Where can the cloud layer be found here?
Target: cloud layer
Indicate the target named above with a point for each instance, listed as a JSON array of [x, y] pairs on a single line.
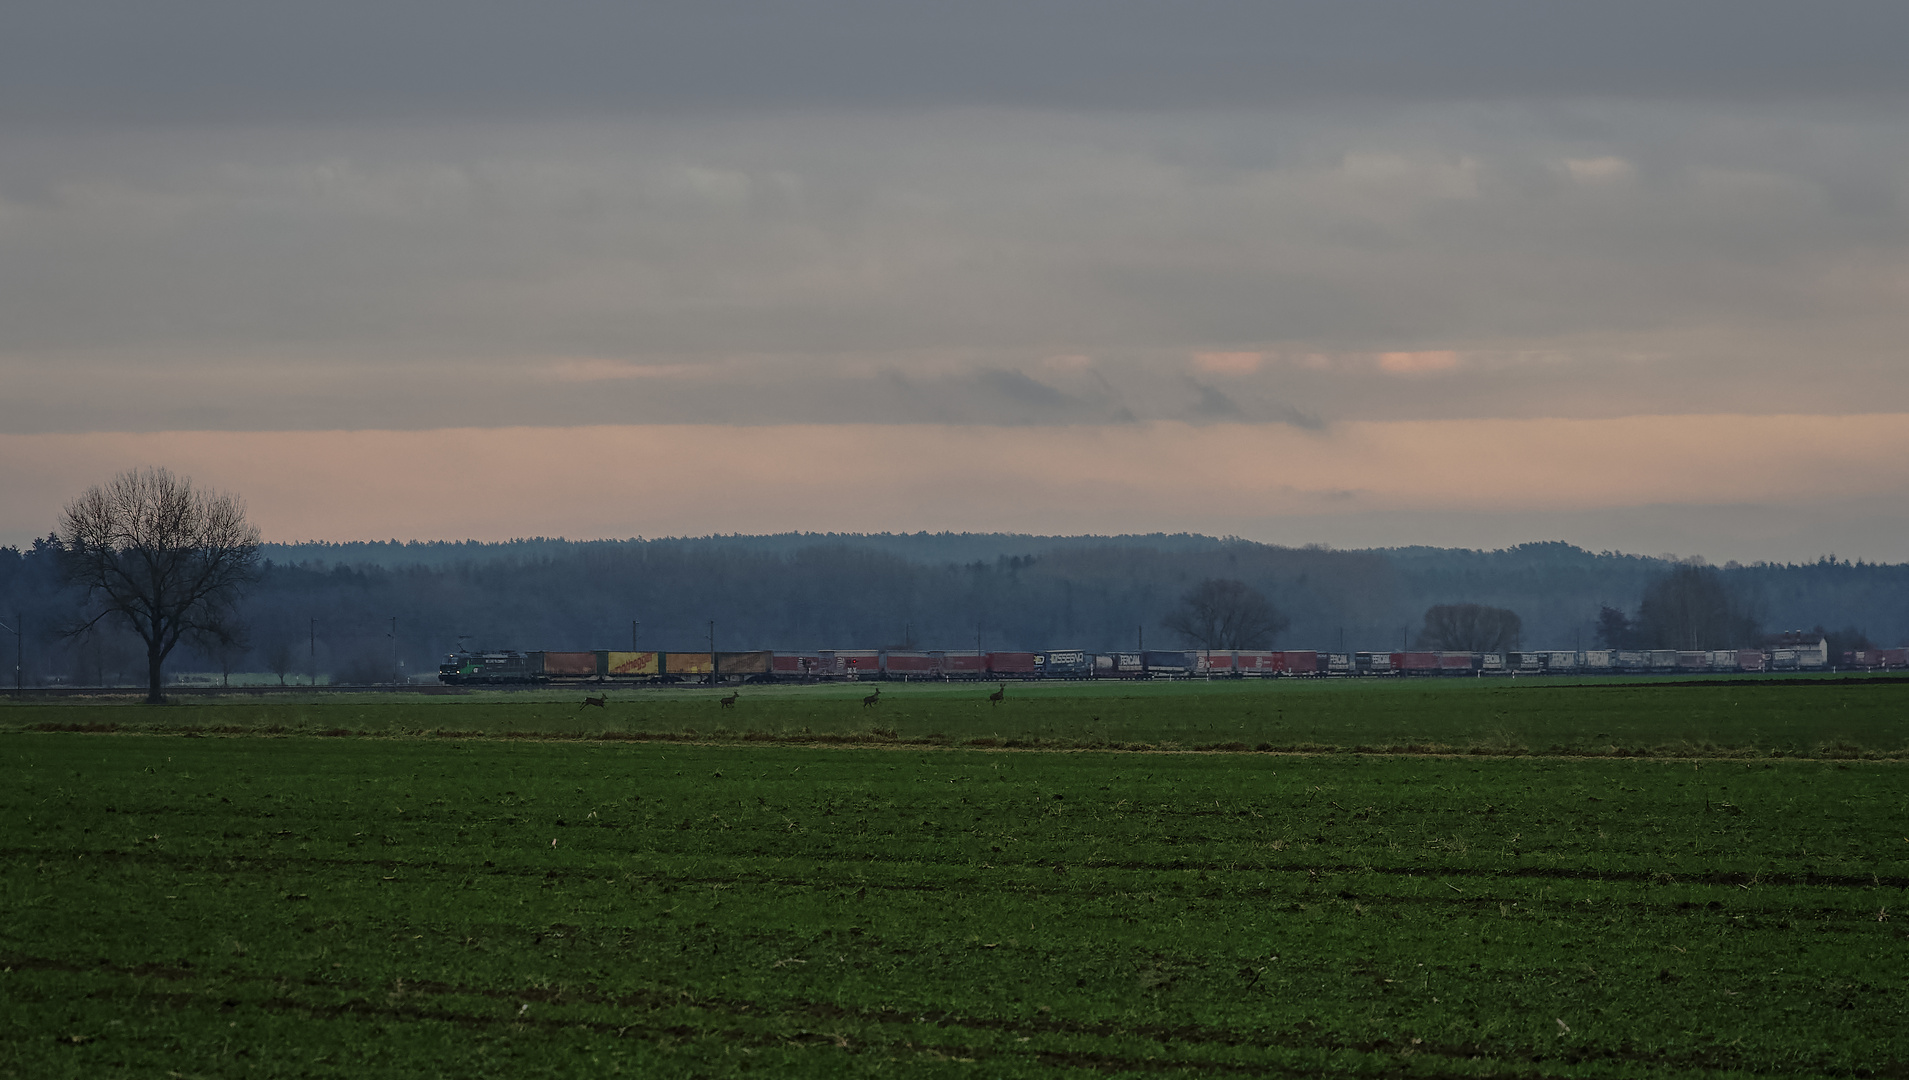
[[1306, 221], [995, 268], [120, 60]]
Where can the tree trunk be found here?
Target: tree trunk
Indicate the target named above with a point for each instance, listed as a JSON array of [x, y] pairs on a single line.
[[154, 694]]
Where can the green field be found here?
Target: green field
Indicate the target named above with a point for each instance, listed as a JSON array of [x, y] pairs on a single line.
[[1598, 880]]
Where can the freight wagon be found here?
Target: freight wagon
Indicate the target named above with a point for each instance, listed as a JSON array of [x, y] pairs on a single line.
[[911, 665], [1014, 665], [1254, 663], [1162, 664], [1372, 663], [1223, 663], [1415, 663], [1298, 662], [964, 665], [601, 666], [1065, 664]]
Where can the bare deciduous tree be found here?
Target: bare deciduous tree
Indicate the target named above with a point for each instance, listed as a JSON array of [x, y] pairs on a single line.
[[162, 558], [1615, 629], [279, 657], [1692, 608], [1470, 628], [225, 644], [1220, 613]]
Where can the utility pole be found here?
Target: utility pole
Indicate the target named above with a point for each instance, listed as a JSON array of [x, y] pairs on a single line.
[[18, 629], [312, 644], [714, 672], [633, 626]]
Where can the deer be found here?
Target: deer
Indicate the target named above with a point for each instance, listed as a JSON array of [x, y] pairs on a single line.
[[730, 701], [601, 701], [999, 696], [873, 699]]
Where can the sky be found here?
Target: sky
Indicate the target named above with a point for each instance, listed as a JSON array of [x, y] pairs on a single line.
[[1632, 275]]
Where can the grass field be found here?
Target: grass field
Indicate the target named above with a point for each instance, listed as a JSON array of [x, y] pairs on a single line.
[[280, 903]]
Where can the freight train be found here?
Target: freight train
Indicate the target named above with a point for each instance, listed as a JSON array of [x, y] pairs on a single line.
[[506, 667]]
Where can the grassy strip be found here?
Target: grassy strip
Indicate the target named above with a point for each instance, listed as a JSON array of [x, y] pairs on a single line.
[[1799, 718]]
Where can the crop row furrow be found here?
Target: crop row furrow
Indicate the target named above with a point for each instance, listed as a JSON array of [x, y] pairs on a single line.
[[203, 862], [401, 1004]]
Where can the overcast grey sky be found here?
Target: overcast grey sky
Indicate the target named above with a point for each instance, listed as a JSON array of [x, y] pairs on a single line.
[[1006, 219]]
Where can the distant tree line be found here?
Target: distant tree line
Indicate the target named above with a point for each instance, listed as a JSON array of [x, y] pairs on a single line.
[[374, 612]]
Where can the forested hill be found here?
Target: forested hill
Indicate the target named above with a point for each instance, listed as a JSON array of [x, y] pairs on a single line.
[[933, 591], [932, 548]]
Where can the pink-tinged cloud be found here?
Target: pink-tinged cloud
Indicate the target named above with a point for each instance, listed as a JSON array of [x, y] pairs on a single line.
[[1228, 363], [1419, 363], [695, 479], [590, 370]]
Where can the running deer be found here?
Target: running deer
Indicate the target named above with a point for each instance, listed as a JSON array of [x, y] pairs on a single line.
[[873, 699], [601, 701], [730, 701], [999, 696]]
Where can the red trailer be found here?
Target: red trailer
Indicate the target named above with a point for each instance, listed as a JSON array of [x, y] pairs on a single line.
[[1457, 663], [1257, 662], [911, 665], [1874, 659], [964, 665], [1415, 663], [1298, 663], [1217, 662], [859, 663], [1017, 664], [795, 665]]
